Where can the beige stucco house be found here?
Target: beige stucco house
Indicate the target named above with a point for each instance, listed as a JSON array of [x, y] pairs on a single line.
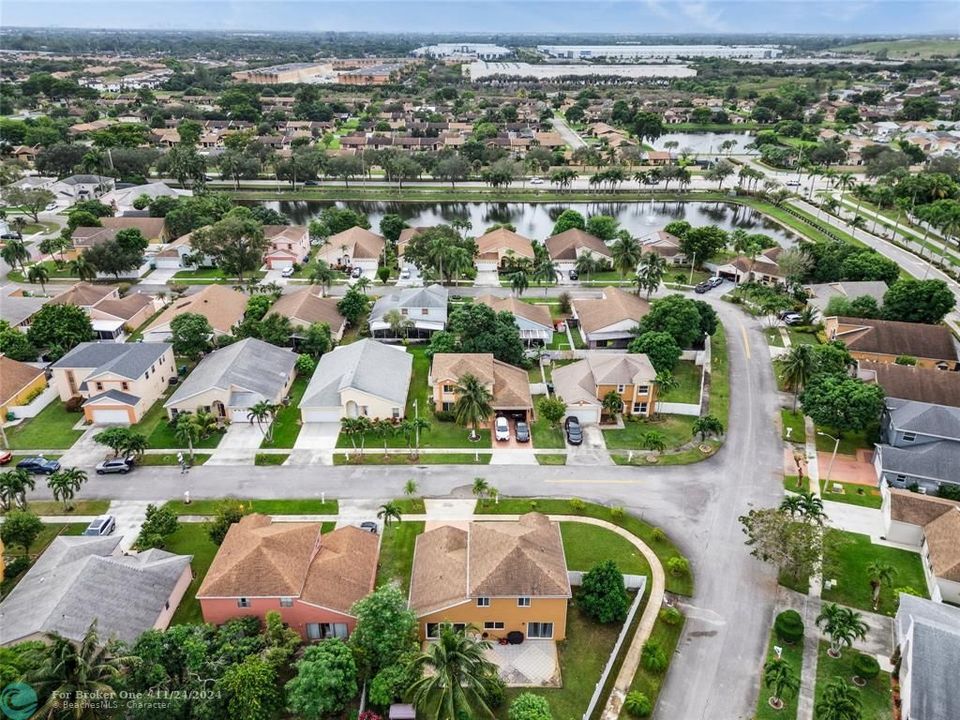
[[222, 306]]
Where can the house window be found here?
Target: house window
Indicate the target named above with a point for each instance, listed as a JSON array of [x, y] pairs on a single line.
[[433, 629], [643, 389], [404, 312], [99, 386], [523, 602], [325, 631], [153, 368], [619, 388], [909, 436], [540, 630], [243, 603], [146, 375], [395, 412], [364, 410], [496, 625], [424, 311], [448, 406], [125, 385], [900, 478], [483, 602], [286, 602], [448, 388], [640, 408]]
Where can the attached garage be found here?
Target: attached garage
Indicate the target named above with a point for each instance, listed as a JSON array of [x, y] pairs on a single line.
[[240, 415], [320, 415], [280, 263], [487, 265], [586, 414], [108, 416]]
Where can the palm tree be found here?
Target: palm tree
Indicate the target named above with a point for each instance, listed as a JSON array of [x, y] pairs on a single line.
[[654, 440], [418, 425], [881, 573], [796, 369], [410, 488], [792, 504], [65, 483], [383, 428], [781, 678], [585, 265], [14, 485], [15, 253], [612, 403], [186, 430], [545, 271], [19, 224], [652, 269], [665, 382], [83, 268], [38, 273], [135, 445], [480, 487], [389, 512], [707, 425], [845, 181], [842, 625], [857, 223], [206, 422], [262, 412], [399, 323], [518, 280], [840, 701], [625, 253], [68, 672], [473, 405], [323, 275], [811, 507], [456, 680]]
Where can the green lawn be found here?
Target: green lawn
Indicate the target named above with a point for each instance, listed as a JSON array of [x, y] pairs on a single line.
[[677, 430], [192, 539], [304, 506], [76, 507], [52, 429], [551, 459], [545, 436], [171, 459], [719, 405], [56, 273], [799, 337], [664, 549], [262, 459], [586, 545], [687, 375], [793, 654], [774, 338], [396, 553], [286, 425], [876, 696], [650, 683], [534, 374], [45, 537], [850, 442], [790, 484], [846, 560], [156, 426], [424, 459], [853, 494], [560, 341], [798, 432]]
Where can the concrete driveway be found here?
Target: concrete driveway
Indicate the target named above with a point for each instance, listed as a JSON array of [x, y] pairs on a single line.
[[317, 436], [593, 450], [238, 446], [85, 452], [129, 515], [487, 278]]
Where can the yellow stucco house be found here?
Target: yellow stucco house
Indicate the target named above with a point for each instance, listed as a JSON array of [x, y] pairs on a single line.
[[19, 383], [584, 384]]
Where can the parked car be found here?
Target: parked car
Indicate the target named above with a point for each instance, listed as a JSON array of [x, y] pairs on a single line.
[[39, 466], [9, 236], [369, 526], [573, 274], [311, 183], [523, 432], [501, 428], [5, 457], [116, 465], [574, 431], [103, 525], [405, 274], [287, 272], [793, 183], [51, 207], [703, 287], [791, 318], [357, 272], [536, 181], [715, 281]]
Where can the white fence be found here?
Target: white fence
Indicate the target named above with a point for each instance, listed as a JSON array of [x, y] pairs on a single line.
[[33, 408], [669, 408], [631, 582]]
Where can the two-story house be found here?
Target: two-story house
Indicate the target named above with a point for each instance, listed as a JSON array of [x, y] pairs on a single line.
[[497, 248], [566, 247], [422, 312], [533, 321], [920, 445], [118, 382], [509, 386], [932, 346], [500, 577], [584, 384], [289, 245]]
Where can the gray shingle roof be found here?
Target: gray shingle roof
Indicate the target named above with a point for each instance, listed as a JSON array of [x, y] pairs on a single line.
[[367, 365], [924, 418], [130, 360], [78, 580], [934, 656], [937, 460], [433, 296], [249, 365], [115, 395]]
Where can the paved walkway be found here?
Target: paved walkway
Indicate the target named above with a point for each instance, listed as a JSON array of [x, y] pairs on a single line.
[[811, 606]]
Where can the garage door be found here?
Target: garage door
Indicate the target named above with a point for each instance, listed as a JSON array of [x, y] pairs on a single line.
[[106, 416], [486, 267], [317, 415], [280, 264], [240, 416], [584, 414]]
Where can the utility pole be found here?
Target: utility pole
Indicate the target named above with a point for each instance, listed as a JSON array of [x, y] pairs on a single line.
[[416, 423]]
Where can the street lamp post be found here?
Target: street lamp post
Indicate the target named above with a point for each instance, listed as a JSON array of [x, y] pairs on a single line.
[[416, 424], [692, 263], [836, 444]]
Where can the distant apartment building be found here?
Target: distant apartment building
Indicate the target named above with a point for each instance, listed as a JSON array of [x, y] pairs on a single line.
[[463, 51]]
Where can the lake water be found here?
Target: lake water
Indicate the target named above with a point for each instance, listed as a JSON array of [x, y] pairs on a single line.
[[535, 220], [706, 142]]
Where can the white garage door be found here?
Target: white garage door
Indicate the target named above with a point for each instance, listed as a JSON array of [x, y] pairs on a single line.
[[280, 264], [584, 414], [240, 416], [486, 267], [106, 416], [169, 263], [317, 415]]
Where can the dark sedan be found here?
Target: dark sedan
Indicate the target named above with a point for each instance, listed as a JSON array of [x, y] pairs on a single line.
[[39, 466], [574, 431]]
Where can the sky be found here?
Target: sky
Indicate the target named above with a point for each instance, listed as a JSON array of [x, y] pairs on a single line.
[[490, 16]]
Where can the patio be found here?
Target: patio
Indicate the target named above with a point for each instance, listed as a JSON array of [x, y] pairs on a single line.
[[532, 663]]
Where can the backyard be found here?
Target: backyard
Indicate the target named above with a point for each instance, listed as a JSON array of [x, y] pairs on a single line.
[[687, 374], [396, 553], [51, 429]]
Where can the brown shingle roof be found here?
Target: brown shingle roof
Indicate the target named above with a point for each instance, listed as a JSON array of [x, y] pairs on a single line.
[[916, 509], [511, 385], [534, 313], [126, 307], [151, 228], [439, 575], [14, 377], [615, 306], [84, 294], [910, 382], [222, 306], [364, 243], [305, 307], [504, 239], [897, 338], [565, 245], [943, 544]]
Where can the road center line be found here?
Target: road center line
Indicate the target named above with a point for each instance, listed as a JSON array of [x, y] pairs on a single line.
[[746, 340]]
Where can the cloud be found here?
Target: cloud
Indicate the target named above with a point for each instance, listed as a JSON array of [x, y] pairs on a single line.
[[702, 14]]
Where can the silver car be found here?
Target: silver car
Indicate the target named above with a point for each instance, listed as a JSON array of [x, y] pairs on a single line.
[[102, 526]]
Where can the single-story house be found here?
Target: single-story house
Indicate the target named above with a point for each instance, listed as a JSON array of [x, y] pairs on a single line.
[[498, 247], [909, 382], [582, 385], [501, 577], [18, 306], [122, 200], [356, 247], [608, 321], [927, 656], [223, 307], [19, 383], [81, 579], [154, 230], [310, 577], [564, 248], [119, 382], [365, 378], [821, 294], [178, 255], [231, 380], [425, 308], [509, 385], [112, 316], [886, 340], [762, 269], [533, 321], [306, 306], [289, 245], [666, 245]]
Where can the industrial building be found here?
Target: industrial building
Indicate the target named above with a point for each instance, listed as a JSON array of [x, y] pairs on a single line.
[[463, 51], [658, 52]]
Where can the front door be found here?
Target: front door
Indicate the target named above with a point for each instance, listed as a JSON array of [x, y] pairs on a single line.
[[219, 410]]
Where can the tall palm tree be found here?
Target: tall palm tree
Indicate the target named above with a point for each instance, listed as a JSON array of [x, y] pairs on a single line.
[[15, 253], [262, 412], [665, 382], [186, 430], [585, 265], [652, 269], [857, 223], [14, 485], [83, 268], [456, 679], [323, 275], [519, 280], [780, 677], [19, 224], [842, 625], [881, 573], [545, 271], [65, 483], [399, 323], [473, 405], [840, 701], [796, 369], [389, 512], [38, 273], [625, 251], [845, 181]]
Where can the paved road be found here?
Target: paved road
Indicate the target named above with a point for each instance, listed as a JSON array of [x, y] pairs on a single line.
[[570, 136]]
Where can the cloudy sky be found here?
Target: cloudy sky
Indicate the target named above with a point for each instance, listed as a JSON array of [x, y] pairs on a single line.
[[478, 16]]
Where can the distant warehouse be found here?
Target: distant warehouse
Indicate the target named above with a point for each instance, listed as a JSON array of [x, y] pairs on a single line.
[[288, 73], [658, 52], [463, 51]]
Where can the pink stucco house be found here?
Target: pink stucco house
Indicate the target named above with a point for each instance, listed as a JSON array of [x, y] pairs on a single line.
[[310, 577]]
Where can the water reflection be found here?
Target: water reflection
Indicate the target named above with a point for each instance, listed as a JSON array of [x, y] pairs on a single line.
[[706, 142]]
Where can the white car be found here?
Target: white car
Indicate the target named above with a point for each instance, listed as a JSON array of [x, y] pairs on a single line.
[[501, 429], [286, 272], [405, 274], [536, 181]]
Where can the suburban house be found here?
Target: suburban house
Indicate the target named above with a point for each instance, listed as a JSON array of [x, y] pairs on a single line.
[[356, 247], [584, 384], [19, 384], [153, 229], [501, 577], [231, 380], [533, 321], [424, 309], [364, 378], [821, 294], [289, 245], [112, 316], [498, 247], [306, 306], [223, 307], [666, 245], [406, 235], [761, 269], [81, 579], [905, 513], [311, 578], [178, 254], [119, 382], [564, 248], [608, 321], [909, 382], [927, 656], [920, 445], [122, 200], [18, 306], [886, 340], [82, 187], [509, 385]]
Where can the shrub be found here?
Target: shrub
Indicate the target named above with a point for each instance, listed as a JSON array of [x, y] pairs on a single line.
[[653, 658], [658, 535], [789, 626], [73, 404], [497, 693], [16, 566], [227, 513], [577, 505], [671, 616], [444, 416], [602, 594], [616, 512], [678, 566], [528, 706], [564, 303], [866, 666], [637, 704]]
